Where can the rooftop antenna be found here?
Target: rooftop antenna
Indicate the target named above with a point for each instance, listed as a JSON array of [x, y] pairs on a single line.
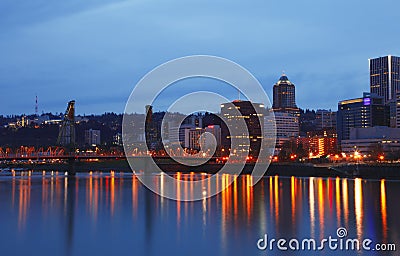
[[36, 106]]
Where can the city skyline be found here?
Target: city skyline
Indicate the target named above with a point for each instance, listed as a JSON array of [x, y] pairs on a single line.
[[96, 51], [199, 127]]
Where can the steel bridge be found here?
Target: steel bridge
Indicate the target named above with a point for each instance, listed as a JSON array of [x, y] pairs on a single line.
[[56, 152], [30, 153]]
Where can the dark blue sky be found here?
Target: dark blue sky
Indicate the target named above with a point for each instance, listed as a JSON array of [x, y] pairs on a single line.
[[95, 51]]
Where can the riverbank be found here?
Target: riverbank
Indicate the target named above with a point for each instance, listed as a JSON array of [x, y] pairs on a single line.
[[363, 170]]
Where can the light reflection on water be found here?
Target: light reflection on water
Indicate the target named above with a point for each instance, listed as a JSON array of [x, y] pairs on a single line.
[[383, 210], [115, 214]]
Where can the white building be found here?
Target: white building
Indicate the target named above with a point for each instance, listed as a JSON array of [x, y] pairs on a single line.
[[287, 125], [92, 137], [173, 133], [325, 119]]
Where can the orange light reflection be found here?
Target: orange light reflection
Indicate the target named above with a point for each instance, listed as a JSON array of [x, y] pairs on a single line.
[[312, 205], [383, 209], [345, 195], [358, 204]]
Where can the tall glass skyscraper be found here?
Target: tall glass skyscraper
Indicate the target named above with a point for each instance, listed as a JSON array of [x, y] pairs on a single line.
[[284, 96], [385, 76]]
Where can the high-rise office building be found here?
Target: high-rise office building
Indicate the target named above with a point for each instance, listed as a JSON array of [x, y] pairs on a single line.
[[385, 81], [385, 76], [284, 125], [367, 111], [239, 110], [287, 125], [284, 96]]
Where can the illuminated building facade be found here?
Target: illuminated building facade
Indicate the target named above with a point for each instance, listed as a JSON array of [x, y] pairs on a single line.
[[247, 112], [385, 82], [286, 125], [318, 145], [385, 76], [367, 111]]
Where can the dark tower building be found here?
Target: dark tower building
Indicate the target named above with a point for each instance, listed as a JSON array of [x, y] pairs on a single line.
[[247, 111], [66, 135], [284, 96], [367, 111], [153, 129]]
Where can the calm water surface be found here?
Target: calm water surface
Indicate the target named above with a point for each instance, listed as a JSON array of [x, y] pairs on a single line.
[[103, 214]]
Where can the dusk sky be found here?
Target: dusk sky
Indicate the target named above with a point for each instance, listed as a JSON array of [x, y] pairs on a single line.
[[95, 51]]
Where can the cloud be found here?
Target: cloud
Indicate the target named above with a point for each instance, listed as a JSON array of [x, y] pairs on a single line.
[[15, 13], [96, 48]]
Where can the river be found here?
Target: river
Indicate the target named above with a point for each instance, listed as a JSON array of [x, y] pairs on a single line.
[[114, 214]]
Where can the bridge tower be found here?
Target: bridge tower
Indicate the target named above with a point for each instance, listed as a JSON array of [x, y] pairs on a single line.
[[66, 135]]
